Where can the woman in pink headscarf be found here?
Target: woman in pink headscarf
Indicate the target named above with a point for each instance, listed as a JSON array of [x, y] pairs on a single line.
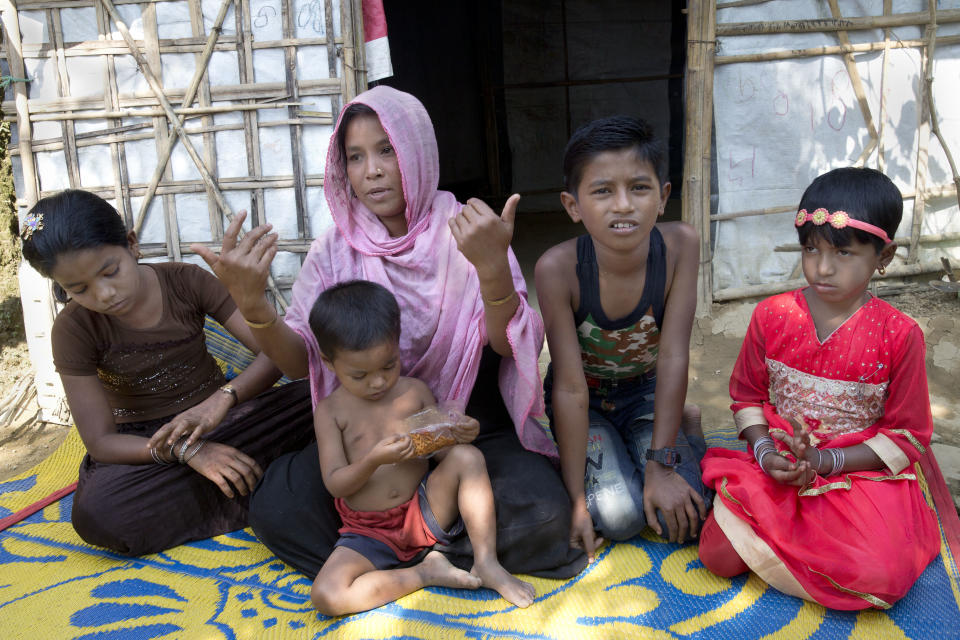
[[467, 331]]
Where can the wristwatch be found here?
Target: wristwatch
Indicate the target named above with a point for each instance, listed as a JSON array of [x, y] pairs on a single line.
[[230, 391], [666, 456]]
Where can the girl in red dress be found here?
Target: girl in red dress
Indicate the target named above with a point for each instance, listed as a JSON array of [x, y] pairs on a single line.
[[830, 392]]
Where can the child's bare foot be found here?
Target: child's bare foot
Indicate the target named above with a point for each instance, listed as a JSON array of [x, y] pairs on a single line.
[[513, 590], [437, 571]]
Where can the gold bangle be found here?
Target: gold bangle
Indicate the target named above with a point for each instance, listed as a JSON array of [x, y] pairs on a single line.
[[499, 301], [262, 325]]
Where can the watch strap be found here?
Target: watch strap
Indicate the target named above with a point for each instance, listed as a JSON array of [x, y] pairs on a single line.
[[666, 456]]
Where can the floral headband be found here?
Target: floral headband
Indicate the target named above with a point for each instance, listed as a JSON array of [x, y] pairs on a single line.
[[31, 222], [839, 220]]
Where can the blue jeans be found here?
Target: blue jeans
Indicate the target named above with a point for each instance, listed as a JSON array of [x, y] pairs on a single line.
[[621, 429]]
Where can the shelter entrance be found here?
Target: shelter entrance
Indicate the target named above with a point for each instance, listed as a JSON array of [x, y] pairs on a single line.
[[506, 83]]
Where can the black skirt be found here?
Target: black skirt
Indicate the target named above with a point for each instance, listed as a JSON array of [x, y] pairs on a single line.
[[140, 509]]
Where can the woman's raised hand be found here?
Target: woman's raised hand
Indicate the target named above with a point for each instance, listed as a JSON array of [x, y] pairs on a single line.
[[482, 236], [243, 265]]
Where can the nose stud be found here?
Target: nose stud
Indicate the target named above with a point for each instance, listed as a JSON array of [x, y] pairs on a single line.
[[379, 172]]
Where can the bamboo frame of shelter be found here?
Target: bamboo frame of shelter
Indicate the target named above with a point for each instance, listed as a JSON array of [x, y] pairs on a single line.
[[702, 34], [182, 115]]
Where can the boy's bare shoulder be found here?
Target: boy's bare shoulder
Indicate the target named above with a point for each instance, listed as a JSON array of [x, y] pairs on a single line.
[[678, 232], [681, 238], [559, 257]]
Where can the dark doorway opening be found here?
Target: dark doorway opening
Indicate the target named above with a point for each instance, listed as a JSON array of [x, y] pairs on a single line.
[[506, 83]]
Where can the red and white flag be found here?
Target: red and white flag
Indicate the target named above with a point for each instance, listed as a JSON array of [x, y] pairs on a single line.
[[375, 35]]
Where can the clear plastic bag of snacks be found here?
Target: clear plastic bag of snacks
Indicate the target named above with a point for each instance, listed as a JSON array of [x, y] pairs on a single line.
[[432, 428]]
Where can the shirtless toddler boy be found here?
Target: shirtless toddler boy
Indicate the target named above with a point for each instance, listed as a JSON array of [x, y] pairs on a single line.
[[392, 505]]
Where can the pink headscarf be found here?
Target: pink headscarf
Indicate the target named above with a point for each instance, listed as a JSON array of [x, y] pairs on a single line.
[[442, 317]]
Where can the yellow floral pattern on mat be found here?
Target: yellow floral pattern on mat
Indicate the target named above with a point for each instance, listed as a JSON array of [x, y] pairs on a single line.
[[55, 586]]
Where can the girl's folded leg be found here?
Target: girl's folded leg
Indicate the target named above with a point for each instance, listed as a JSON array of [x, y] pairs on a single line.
[[716, 552]]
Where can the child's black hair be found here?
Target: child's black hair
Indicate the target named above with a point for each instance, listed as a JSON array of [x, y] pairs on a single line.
[[354, 110], [354, 315], [612, 134], [865, 194], [72, 220]]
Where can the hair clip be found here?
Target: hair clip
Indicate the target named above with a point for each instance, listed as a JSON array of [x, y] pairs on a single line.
[[31, 222], [839, 220]]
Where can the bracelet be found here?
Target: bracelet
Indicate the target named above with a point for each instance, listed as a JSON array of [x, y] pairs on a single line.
[[231, 391], [499, 301], [173, 447], [193, 452], [263, 325], [763, 440], [156, 456], [764, 453], [183, 450]]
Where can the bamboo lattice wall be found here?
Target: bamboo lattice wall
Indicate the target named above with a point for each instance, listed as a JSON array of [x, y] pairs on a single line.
[[762, 67], [180, 113]]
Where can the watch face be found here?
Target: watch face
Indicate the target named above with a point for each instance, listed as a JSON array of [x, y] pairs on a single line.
[[665, 456]]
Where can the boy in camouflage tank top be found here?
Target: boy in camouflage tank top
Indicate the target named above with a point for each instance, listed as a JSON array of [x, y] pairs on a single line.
[[618, 305]]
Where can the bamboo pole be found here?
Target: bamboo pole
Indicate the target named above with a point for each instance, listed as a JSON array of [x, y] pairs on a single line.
[[198, 186], [354, 51], [203, 98], [771, 288], [739, 3], [832, 24], [857, 85], [923, 141], [264, 90], [251, 135], [928, 91], [187, 112], [933, 238], [944, 191], [11, 28], [151, 34], [63, 89], [816, 52], [166, 148], [701, 18], [295, 130], [111, 102], [881, 150], [332, 55]]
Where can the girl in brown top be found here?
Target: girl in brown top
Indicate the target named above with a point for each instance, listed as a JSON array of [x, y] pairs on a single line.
[[130, 350]]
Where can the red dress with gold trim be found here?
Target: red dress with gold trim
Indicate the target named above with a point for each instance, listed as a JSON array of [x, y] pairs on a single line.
[[852, 540]]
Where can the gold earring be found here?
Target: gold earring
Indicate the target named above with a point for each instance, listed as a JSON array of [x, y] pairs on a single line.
[[882, 270]]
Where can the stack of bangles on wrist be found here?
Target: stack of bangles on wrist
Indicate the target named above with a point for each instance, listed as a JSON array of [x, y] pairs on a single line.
[[838, 458], [762, 447], [183, 456]]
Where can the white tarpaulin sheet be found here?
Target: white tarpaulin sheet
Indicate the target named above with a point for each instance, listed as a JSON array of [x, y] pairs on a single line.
[[779, 124]]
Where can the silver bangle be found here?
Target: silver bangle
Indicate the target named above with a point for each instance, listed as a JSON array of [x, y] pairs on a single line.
[[843, 460], [156, 456], [173, 448], [183, 449], [193, 452], [763, 440], [764, 452]]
